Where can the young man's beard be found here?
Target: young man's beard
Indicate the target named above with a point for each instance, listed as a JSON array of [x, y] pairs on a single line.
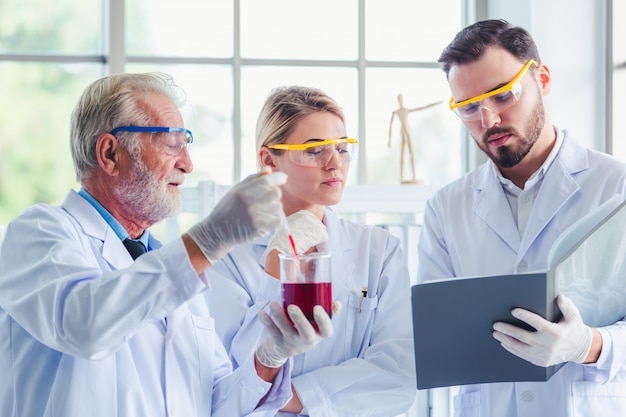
[[508, 156]]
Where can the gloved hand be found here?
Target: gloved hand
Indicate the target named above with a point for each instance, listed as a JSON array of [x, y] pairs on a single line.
[[249, 210], [285, 340], [569, 340], [306, 229]]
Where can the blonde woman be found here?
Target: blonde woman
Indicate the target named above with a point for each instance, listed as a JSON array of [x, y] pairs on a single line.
[[366, 368]]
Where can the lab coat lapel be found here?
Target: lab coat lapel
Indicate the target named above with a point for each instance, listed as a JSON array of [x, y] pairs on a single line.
[[492, 207], [557, 188], [113, 250], [260, 248], [339, 245]]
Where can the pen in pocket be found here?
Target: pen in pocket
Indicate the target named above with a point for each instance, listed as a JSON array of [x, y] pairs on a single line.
[[363, 295]]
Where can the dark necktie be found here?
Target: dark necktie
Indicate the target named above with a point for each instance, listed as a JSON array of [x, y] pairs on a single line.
[[135, 247]]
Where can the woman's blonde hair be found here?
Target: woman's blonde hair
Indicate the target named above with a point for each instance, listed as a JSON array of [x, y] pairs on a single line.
[[284, 107]]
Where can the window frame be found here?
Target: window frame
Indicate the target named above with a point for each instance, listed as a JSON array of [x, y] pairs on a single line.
[[611, 67], [117, 60], [114, 60]]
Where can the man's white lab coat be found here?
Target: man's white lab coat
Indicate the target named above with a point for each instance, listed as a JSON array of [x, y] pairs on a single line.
[[469, 230], [87, 332]]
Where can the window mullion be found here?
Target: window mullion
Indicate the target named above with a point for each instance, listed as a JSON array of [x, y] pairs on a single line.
[[116, 45]]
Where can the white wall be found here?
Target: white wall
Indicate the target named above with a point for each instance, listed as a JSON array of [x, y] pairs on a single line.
[[570, 37]]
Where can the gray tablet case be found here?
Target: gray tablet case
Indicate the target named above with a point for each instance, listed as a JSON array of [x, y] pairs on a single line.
[[452, 319]]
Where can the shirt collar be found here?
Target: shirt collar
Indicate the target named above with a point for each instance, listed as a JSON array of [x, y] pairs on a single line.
[[112, 221], [542, 169]]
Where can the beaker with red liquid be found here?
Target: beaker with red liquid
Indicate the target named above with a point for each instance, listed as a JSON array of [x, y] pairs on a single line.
[[306, 282]]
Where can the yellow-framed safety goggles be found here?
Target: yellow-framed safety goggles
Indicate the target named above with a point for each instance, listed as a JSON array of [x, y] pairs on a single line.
[[496, 100], [319, 153]]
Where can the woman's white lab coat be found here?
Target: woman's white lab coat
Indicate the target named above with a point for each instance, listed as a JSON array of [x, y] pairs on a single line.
[[89, 332], [469, 230], [367, 367]]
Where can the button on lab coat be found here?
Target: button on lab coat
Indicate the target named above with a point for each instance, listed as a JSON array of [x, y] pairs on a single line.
[[89, 332], [469, 231], [367, 367]]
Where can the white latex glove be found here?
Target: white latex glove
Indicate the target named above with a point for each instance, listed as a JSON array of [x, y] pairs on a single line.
[[250, 209], [286, 340], [569, 340], [306, 229]]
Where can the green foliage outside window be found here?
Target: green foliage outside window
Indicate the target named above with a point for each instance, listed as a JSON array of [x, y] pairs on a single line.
[[36, 98]]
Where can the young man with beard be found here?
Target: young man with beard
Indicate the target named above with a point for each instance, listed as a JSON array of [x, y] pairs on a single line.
[[89, 331], [503, 217]]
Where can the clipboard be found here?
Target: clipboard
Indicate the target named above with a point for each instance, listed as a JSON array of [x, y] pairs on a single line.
[[452, 318]]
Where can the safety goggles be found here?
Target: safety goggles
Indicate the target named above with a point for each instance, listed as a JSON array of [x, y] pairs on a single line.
[[319, 153], [496, 101], [171, 140]]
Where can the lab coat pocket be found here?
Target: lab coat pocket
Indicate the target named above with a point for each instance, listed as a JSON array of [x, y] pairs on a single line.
[[468, 404], [592, 398], [209, 349], [360, 317]]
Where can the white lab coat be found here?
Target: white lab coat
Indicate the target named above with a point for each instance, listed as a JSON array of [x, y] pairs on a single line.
[[89, 332], [367, 367], [469, 230]]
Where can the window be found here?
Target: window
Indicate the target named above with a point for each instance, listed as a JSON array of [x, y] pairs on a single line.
[[46, 59], [618, 37], [227, 55]]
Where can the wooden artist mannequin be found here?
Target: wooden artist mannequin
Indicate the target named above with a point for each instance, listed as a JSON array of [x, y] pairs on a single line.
[[405, 135]]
